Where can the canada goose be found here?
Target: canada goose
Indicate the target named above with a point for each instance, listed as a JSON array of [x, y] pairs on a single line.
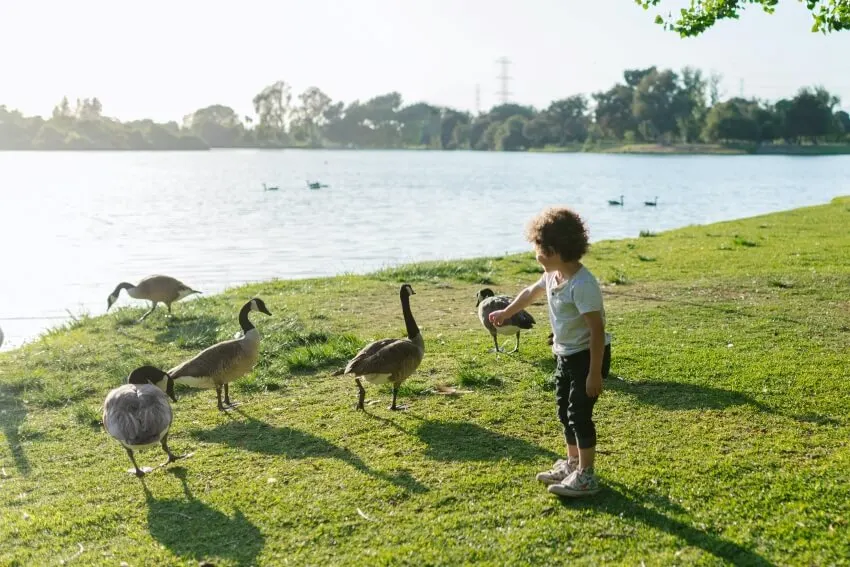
[[138, 415], [620, 202], [487, 302], [389, 360], [315, 185], [266, 188], [224, 362], [156, 289], [651, 203]]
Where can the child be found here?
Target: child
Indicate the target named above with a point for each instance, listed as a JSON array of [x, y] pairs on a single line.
[[582, 346]]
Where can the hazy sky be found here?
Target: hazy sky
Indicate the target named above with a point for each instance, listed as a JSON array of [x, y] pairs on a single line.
[[165, 59]]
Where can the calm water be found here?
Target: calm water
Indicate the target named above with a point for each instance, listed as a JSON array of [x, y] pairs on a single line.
[[75, 224]]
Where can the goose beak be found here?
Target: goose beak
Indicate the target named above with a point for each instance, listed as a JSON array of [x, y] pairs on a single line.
[[266, 311]]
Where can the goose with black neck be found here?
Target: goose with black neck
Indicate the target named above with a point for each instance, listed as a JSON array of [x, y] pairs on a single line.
[[389, 361], [222, 363]]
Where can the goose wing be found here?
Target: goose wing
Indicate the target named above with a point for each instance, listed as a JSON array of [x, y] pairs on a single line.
[[386, 356], [523, 319], [210, 361]]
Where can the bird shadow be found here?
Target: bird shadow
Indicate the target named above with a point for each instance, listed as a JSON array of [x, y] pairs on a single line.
[[189, 527], [13, 413], [258, 436], [464, 441], [677, 396], [631, 506], [190, 331]]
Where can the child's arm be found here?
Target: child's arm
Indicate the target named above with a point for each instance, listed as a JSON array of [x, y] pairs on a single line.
[[525, 298], [597, 351]]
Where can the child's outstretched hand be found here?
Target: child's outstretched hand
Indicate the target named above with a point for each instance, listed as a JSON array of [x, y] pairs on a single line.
[[498, 317]]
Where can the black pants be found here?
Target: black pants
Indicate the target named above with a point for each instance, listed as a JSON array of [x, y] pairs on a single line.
[[575, 408]]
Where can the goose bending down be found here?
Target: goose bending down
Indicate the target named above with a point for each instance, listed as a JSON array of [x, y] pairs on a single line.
[[651, 203], [138, 415], [487, 302], [156, 289], [224, 362], [612, 202], [389, 360]]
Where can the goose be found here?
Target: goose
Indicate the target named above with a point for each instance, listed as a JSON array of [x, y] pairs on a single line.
[[224, 362], [389, 360], [315, 185], [156, 289], [620, 202], [487, 302], [651, 203], [266, 188], [137, 414]]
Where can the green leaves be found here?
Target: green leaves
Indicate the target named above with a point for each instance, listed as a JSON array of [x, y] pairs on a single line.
[[829, 15]]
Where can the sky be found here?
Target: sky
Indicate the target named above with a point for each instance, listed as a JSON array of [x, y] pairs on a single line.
[[163, 60]]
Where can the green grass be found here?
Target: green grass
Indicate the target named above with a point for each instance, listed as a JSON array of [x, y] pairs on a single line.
[[723, 434]]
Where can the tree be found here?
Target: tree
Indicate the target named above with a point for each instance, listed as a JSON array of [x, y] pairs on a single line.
[[218, 125], [730, 121], [828, 15], [272, 106], [569, 118], [311, 113]]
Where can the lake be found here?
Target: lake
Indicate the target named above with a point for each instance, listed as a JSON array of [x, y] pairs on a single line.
[[73, 225]]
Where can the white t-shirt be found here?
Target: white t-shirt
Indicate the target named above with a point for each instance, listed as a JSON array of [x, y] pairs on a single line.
[[568, 301]]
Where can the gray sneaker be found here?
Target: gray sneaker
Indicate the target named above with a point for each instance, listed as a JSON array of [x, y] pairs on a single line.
[[579, 483], [559, 471]]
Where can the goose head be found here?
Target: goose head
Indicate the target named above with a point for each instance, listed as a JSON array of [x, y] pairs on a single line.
[[406, 290], [257, 304], [483, 294], [153, 375], [113, 297]]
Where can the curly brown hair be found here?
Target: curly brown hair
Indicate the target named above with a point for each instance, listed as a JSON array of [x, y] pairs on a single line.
[[560, 230]]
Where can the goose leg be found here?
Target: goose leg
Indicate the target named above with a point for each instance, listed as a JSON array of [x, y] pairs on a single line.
[[496, 342], [516, 348], [145, 316], [169, 308], [218, 395], [394, 407], [227, 401], [361, 394], [138, 472], [171, 457]]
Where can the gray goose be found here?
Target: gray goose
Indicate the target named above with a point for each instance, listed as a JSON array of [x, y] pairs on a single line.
[[137, 414], [156, 289], [224, 362], [389, 360], [487, 302]]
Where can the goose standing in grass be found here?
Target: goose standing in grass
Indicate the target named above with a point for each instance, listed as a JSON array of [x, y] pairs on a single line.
[[156, 289], [224, 362], [138, 415], [619, 203], [651, 203], [487, 302], [389, 360]]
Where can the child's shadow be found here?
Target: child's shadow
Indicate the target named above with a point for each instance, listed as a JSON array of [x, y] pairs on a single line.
[[191, 528], [630, 506]]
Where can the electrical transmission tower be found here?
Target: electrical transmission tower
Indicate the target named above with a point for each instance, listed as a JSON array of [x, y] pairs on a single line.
[[504, 92]]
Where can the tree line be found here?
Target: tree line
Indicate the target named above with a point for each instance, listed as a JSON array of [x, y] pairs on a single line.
[[657, 106]]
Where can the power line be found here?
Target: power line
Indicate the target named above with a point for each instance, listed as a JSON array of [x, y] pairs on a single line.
[[504, 92]]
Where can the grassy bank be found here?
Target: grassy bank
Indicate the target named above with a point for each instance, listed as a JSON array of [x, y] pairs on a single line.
[[728, 149], [723, 436]]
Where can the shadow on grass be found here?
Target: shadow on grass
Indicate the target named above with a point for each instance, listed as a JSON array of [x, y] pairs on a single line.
[[13, 413], [260, 437], [191, 331], [676, 396], [630, 506], [190, 528], [462, 441]]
